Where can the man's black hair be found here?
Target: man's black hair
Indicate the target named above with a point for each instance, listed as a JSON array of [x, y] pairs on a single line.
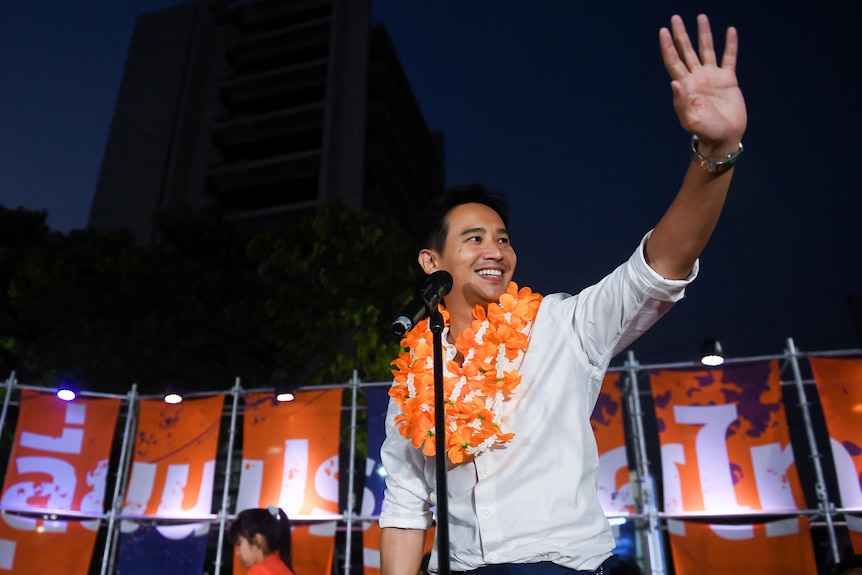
[[432, 227]]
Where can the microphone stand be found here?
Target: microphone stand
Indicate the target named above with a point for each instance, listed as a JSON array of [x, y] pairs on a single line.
[[437, 324]]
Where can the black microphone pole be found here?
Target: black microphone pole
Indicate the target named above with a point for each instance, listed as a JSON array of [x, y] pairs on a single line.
[[435, 287], [437, 324]]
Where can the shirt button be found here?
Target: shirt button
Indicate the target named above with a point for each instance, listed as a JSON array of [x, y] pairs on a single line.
[[493, 556], [486, 512], [486, 471]]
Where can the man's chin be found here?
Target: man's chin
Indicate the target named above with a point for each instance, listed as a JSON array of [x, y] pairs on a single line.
[[492, 293]]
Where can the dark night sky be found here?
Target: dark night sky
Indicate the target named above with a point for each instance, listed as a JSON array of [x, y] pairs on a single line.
[[566, 107]]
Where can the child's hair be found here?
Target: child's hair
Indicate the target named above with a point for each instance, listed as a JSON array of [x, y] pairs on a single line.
[[271, 523]]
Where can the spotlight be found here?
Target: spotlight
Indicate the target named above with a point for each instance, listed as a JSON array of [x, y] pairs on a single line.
[[285, 392], [173, 397], [711, 353], [66, 393]]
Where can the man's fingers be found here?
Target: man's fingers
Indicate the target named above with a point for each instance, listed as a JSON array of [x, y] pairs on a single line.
[[675, 67], [704, 41], [731, 49], [683, 43]]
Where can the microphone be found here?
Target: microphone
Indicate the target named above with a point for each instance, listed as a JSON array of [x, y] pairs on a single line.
[[435, 287]]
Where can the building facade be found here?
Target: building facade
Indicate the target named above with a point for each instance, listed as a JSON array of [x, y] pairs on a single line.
[[266, 108]]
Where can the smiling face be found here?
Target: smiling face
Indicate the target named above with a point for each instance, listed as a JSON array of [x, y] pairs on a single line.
[[479, 256]]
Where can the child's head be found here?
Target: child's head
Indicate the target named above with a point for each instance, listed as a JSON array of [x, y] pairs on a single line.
[[257, 533]]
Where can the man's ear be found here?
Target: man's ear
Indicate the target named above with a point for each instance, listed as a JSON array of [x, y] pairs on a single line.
[[258, 540], [428, 261]]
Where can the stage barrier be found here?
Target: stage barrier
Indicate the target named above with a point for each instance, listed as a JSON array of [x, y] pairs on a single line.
[[753, 464]]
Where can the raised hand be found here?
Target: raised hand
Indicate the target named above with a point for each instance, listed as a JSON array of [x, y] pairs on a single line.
[[706, 96]]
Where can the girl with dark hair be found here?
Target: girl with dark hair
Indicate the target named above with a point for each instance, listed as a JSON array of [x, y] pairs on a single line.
[[262, 540]]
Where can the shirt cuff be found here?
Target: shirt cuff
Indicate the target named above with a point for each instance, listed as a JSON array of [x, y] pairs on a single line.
[[655, 285], [402, 523]]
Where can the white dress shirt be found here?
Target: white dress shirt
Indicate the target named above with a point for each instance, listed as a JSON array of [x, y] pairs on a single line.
[[534, 498]]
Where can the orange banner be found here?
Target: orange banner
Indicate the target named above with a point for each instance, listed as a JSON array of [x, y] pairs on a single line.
[[173, 466], [854, 526], [174, 458], [371, 533], [839, 384], [725, 445], [312, 549], [781, 547], [290, 453], [615, 492], [59, 464]]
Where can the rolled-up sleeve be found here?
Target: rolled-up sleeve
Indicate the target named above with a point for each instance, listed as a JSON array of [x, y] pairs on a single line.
[[654, 285], [408, 498], [611, 314]]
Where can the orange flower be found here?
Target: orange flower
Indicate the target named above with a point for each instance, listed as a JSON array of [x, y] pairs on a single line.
[[505, 437], [465, 340], [520, 306], [481, 381], [458, 444]]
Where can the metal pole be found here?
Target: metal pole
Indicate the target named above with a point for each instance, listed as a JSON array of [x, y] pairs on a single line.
[[10, 384], [442, 512], [122, 473], [823, 503], [351, 472], [222, 514], [647, 497]]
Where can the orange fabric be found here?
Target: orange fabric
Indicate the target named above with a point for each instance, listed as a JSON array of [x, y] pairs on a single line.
[[174, 458], [24, 551], [776, 548], [724, 439], [854, 526], [290, 453], [371, 534], [59, 463], [839, 384], [272, 565], [607, 421]]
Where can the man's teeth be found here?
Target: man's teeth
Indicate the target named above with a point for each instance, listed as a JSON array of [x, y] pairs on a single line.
[[491, 273]]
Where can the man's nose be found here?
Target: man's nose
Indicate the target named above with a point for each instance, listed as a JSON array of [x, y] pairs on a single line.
[[493, 252]]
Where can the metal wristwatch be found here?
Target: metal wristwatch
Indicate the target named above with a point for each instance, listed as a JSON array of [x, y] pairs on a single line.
[[713, 166]]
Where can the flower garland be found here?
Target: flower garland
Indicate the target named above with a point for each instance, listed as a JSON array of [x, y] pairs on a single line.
[[492, 347]]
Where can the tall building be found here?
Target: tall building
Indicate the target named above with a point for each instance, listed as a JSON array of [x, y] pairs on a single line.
[[267, 108]]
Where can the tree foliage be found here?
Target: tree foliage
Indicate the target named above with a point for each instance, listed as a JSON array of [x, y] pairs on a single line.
[[334, 284], [21, 232], [209, 302]]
